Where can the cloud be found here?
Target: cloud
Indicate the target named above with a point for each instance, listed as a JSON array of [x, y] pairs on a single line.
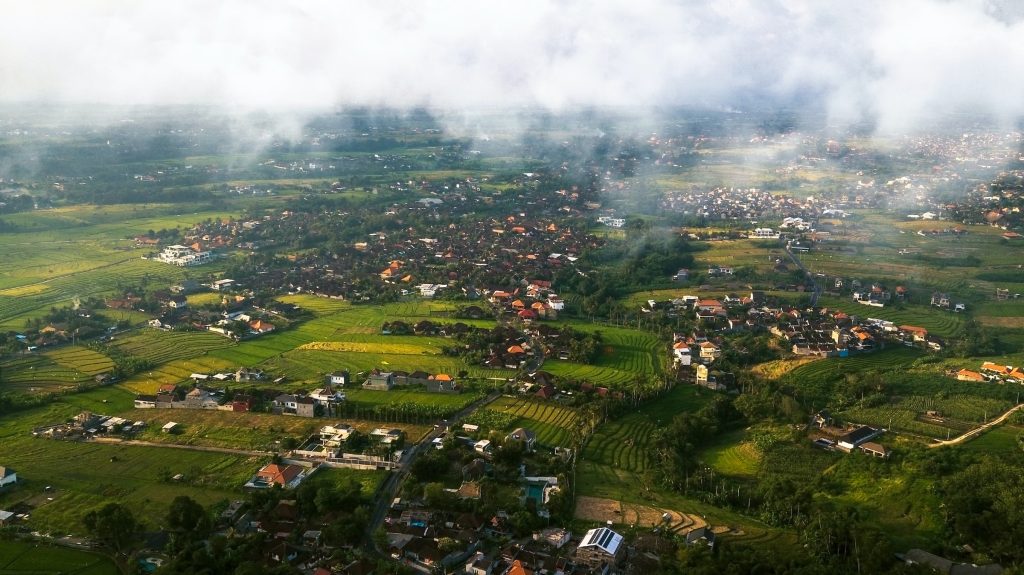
[[902, 63]]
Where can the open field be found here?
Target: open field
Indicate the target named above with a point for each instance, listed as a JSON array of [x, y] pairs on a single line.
[[31, 558], [53, 370], [602, 511], [131, 475], [999, 441], [957, 265], [365, 399], [101, 473], [80, 251], [370, 480], [552, 423], [741, 253], [795, 461]]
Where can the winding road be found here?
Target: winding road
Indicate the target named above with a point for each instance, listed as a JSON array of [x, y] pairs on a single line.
[[978, 430]]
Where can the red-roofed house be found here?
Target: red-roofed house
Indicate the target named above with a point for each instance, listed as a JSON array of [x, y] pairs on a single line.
[[968, 375], [274, 474]]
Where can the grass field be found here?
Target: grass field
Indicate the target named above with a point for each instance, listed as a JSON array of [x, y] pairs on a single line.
[[552, 423], [733, 454], [370, 480], [103, 473], [31, 558], [58, 254], [339, 336], [368, 398], [998, 441]]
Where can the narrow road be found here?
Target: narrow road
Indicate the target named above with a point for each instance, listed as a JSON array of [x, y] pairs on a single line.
[[799, 264], [978, 430], [393, 484], [115, 441]]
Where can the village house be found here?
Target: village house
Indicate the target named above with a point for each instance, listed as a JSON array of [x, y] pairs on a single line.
[[856, 437], [709, 351], [338, 378], [968, 375], [527, 438], [285, 476], [327, 397], [875, 449], [380, 381], [600, 549]]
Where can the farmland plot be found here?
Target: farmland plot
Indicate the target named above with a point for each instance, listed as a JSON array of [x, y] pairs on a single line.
[[552, 423]]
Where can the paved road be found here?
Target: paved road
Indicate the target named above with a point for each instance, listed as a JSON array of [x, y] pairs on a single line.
[[393, 484], [799, 264], [978, 430]]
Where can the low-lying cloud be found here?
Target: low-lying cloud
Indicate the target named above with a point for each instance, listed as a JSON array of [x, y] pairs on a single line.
[[899, 63]]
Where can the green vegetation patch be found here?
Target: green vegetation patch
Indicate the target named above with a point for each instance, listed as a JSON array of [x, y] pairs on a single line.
[[32, 558]]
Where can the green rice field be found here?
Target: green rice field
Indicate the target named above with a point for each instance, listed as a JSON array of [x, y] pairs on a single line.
[[551, 422], [52, 370], [625, 443]]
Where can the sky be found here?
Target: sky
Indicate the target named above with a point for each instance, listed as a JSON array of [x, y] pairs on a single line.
[[899, 63]]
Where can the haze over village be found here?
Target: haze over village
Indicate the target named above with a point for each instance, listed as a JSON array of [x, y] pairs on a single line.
[[535, 288]]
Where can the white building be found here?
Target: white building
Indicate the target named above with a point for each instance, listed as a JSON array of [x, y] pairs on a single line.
[[7, 476], [183, 256]]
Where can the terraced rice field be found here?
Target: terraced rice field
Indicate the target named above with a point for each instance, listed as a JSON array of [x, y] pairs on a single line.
[[908, 414], [833, 369], [601, 510], [599, 376], [625, 443], [626, 353], [161, 346], [552, 423], [937, 321], [97, 281], [53, 370], [733, 455]]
